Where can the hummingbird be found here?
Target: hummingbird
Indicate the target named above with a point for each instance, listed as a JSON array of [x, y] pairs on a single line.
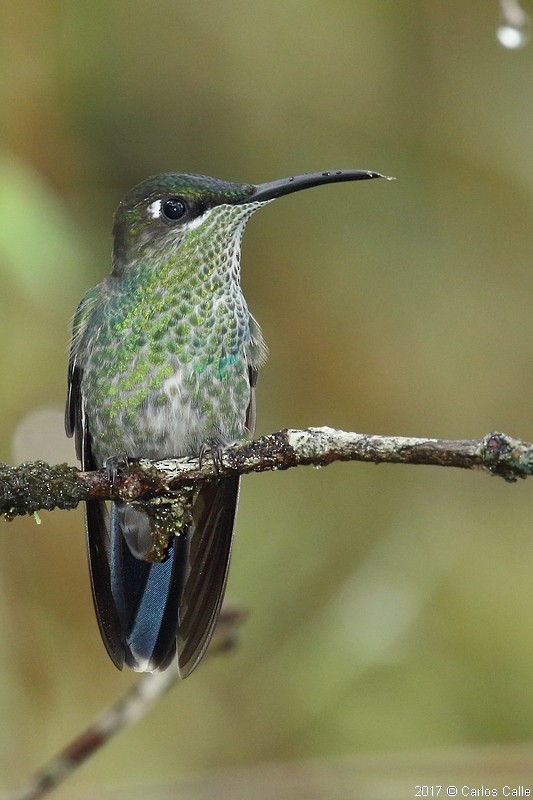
[[163, 364]]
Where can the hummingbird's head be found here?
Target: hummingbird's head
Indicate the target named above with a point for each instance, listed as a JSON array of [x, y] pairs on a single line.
[[162, 210]]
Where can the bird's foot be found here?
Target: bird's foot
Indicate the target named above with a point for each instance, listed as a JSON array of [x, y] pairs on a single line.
[[115, 466], [214, 451]]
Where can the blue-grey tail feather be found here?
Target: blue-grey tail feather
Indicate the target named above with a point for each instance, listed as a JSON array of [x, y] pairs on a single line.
[[146, 595]]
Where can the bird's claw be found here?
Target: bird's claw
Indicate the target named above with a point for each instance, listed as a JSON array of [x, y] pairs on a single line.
[[215, 451], [115, 466]]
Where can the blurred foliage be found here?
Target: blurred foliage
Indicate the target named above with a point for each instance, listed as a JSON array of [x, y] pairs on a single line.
[[391, 608]]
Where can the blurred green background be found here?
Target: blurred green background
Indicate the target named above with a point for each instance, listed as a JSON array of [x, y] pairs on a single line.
[[391, 608]]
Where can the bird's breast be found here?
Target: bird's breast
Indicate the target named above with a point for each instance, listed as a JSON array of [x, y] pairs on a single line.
[[167, 391]]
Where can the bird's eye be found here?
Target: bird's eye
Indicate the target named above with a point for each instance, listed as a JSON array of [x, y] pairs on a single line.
[[173, 209]]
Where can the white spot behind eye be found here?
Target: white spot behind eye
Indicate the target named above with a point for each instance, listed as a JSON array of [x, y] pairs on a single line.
[[154, 209]]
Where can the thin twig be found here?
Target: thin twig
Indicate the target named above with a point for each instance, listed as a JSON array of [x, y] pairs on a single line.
[[125, 711]]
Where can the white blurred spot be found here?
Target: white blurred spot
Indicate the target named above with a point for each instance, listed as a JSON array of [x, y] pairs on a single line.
[[512, 38], [40, 436]]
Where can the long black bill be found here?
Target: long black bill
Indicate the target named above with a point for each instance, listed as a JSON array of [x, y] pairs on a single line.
[[269, 191]]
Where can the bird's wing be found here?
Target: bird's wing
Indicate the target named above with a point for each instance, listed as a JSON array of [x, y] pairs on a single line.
[[207, 569], [96, 514]]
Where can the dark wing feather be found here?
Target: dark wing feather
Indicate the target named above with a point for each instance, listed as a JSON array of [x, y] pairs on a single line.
[[74, 424], [97, 523], [207, 571], [73, 407], [253, 372]]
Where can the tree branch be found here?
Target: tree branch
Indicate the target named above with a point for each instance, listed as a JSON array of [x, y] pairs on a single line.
[[34, 486]]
